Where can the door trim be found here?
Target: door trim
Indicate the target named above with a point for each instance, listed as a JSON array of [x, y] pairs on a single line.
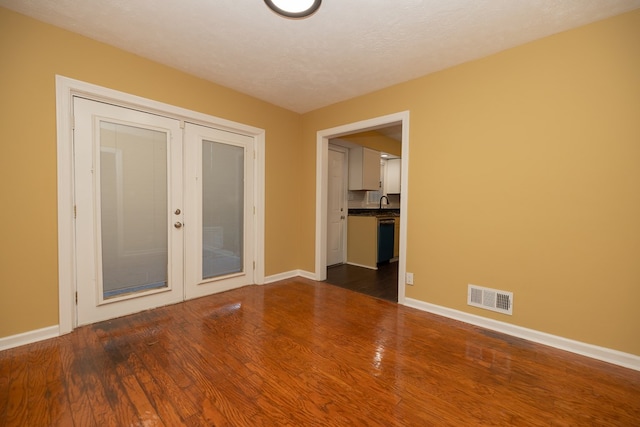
[[322, 179], [66, 89]]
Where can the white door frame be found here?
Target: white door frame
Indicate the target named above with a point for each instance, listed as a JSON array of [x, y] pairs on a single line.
[[322, 179], [66, 89]]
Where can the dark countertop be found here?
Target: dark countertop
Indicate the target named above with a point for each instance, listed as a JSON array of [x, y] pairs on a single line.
[[384, 212]]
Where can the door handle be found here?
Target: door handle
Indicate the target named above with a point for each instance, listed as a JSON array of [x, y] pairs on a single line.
[[342, 217], [178, 224]]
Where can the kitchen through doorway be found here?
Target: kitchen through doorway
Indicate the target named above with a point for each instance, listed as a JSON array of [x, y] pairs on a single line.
[[361, 265], [380, 283]]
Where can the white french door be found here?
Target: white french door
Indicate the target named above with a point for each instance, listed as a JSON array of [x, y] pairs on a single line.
[[219, 216], [162, 210]]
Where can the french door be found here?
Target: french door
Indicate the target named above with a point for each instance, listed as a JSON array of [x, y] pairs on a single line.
[[219, 224], [160, 210]]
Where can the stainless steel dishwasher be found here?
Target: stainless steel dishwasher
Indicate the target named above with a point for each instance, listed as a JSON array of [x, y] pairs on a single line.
[[386, 227]]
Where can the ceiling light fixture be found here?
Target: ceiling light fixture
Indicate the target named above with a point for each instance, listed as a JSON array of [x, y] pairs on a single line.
[[294, 8]]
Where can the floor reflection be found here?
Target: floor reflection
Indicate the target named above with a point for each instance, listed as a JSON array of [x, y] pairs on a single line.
[[299, 352]]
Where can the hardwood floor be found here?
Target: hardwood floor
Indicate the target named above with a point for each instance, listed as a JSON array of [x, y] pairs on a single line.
[[380, 283], [303, 353]]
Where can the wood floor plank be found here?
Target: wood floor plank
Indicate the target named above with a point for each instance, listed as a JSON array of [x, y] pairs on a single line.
[[223, 409], [120, 350], [109, 406], [6, 359], [299, 352], [164, 373], [16, 408], [74, 372], [148, 360], [191, 382], [156, 393], [58, 404], [39, 396]]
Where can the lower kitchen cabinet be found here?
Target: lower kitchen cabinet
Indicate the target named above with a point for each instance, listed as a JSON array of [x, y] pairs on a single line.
[[362, 241], [363, 245]]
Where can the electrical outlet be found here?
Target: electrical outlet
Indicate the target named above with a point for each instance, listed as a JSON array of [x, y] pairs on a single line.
[[409, 279]]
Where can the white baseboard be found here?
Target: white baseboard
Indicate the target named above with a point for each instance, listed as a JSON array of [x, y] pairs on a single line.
[[362, 265], [615, 357], [289, 275], [282, 276], [29, 337], [306, 274]]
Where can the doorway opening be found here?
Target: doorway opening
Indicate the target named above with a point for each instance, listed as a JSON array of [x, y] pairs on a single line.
[[392, 126]]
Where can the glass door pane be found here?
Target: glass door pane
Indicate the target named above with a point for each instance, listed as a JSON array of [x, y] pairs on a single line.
[[222, 209], [133, 208]]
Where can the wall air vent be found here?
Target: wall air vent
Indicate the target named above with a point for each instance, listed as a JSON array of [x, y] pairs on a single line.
[[490, 299]]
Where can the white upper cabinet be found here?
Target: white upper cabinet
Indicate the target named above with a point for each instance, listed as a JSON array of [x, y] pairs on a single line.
[[392, 176], [364, 169]]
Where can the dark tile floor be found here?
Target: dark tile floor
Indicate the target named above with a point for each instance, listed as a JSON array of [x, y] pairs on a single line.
[[381, 283]]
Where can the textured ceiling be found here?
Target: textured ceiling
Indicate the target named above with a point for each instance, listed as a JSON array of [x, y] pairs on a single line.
[[348, 48]]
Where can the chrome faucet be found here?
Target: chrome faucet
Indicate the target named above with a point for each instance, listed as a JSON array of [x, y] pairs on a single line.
[[383, 197]]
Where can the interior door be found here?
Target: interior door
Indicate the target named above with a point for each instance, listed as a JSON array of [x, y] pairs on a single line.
[[219, 222], [336, 206], [128, 207]]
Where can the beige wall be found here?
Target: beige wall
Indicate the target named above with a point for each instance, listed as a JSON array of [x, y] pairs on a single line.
[[375, 141], [524, 176], [523, 173], [31, 54]]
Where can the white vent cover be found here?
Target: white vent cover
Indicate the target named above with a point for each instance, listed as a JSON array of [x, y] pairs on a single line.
[[490, 299]]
